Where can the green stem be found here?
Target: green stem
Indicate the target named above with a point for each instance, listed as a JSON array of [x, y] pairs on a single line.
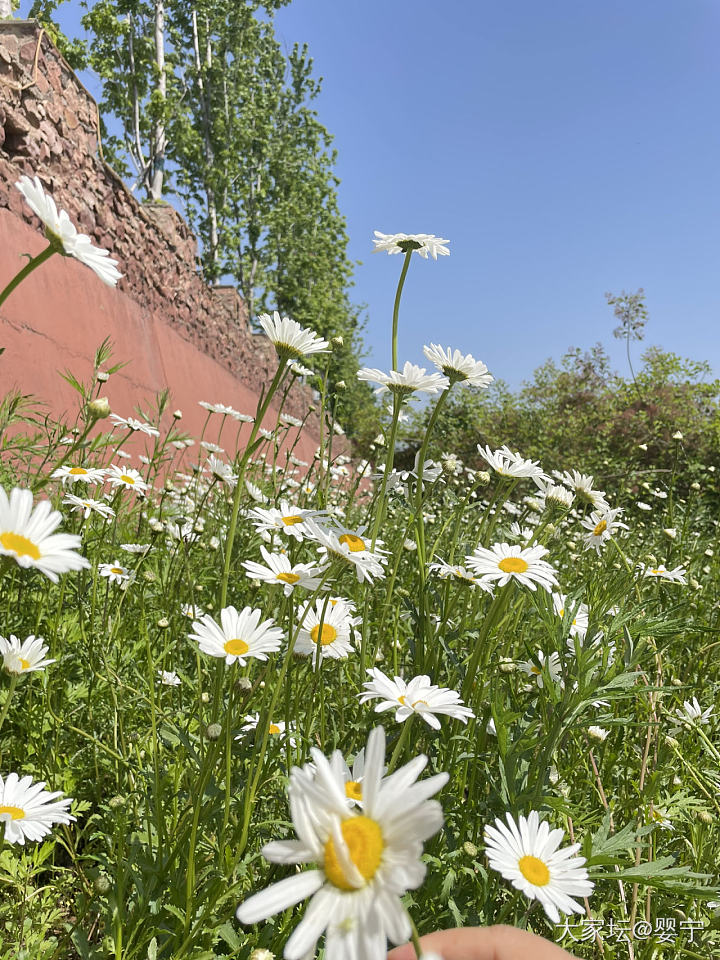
[[396, 307], [380, 514], [6, 705], [31, 265], [400, 745], [414, 936]]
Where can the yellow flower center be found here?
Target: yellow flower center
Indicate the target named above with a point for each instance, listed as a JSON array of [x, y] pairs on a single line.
[[288, 577], [534, 870], [127, 479], [513, 565], [353, 790], [364, 842], [329, 633], [116, 570], [561, 612], [355, 544], [19, 545], [535, 670], [16, 813], [236, 647], [78, 471], [402, 700], [274, 728], [600, 528], [419, 701], [291, 521], [25, 664], [656, 570]]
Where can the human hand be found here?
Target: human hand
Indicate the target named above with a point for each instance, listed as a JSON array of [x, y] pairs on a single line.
[[484, 943]]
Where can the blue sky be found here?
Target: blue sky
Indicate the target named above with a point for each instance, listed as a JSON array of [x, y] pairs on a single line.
[[565, 149]]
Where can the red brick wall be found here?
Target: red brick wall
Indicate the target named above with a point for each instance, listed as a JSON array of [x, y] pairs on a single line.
[[176, 331]]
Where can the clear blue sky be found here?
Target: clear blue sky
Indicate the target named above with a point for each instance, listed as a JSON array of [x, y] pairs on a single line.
[[565, 149]]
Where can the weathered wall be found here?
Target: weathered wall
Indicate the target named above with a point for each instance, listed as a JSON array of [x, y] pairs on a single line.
[[176, 331]]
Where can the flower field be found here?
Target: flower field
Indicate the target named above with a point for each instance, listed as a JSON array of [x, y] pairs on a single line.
[[255, 707]]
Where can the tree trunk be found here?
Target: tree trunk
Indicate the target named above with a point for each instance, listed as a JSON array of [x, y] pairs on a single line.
[[6, 10], [159, 139], [212, 250]]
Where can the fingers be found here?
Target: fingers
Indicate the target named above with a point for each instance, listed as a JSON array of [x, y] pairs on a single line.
[[484, 943]]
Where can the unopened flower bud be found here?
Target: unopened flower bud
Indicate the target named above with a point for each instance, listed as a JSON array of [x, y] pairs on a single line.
[[163, 623], [149, 576], [243, 684], [695, 485], [205, 697], [506, 665], [99, 408], [677, 435], [102, 376], [177, 414], [102, 884], [261, 954], [214, 731], [116, 803], [470, 849], [482, 477], [676, 682], [337, 342], [704, 816], [671, 742], [340, 385]]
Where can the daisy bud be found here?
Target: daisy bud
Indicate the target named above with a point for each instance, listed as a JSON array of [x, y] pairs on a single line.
[[704, 816], [205, 697], [470, 849], [149, 576], [102, 377], [598, 733], [482, 477], [163, 623], [99, 409], [102, 884], [677, 782], [671, 742], [243, 684], [337, 342], [155, 524], [214, 731], [677, 435], [177, 414], [260, 954], [670, 532], [116, 803], [214, 543], [676, 682], [341, 385], [709, 552], [695, 486], [506, 665]]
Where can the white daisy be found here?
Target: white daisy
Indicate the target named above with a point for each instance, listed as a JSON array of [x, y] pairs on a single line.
[[581, 614], [26, 534], [241, 635], [115, 572], [289, 338], [63, 235], [325, 632], [676, 575], [351, 547], [126, 477], [509, 464], [169, 678], [448, 571], [24, 657], [366, 861], [221, 471], [418, 696], [286, 518], [137, 426], [412, 379], [87, 506], [602, 525], [693, 712], [422, 243], [276, 729], [582, 485], [280, 570], [503, 562], [459, 368], [71, 474], [526, 853], [135, 547], [533, 669], [29, 811]]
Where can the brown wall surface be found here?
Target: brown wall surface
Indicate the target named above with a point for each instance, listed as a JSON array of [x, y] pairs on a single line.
[[176, 331]]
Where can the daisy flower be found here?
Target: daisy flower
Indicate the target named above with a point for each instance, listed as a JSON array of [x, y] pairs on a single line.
[[582, 486], [509, 464], [135, 547], [126, 477], [459, 368], [70, 474], [137, 426], [240, 636], [366, 861], [693, 712], [114, 572], [412, 379], [325, 632], [526, 853], [280, 570], [290, 340], [224, 410], [503, 562], [533, 669], [581, 614], [447, 571], [26, 534], [29, 811], [287, 518], [221, 471], [275, 729], [423, 243], [169, 678], [418, 696], [602, 524], [351, 547], [24, 657], [63, 235], [676, 575], [86, 506]]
